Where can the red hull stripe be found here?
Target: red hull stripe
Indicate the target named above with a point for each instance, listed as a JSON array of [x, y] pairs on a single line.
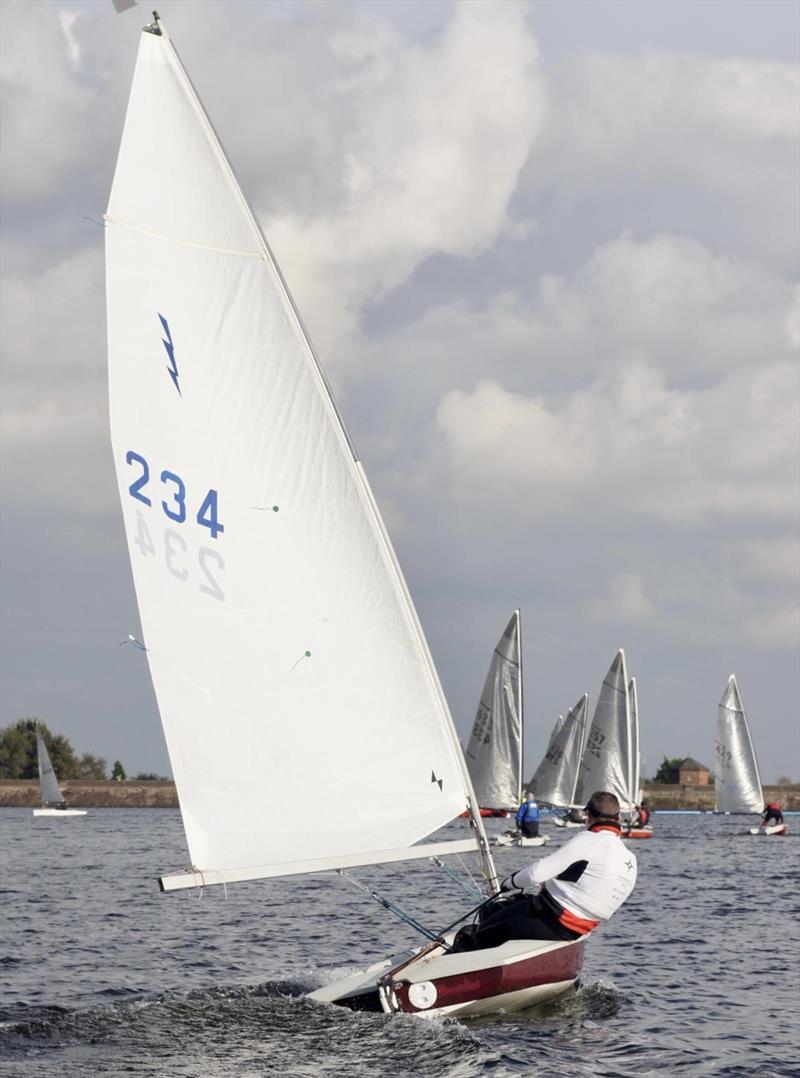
[[550, 968]]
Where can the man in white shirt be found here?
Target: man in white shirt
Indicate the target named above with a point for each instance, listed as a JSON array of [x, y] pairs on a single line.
[[579, 885]]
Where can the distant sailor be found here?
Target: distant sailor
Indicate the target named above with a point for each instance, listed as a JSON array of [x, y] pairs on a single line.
[[772, 814], [580, 885], [527, 818], [642, 817]]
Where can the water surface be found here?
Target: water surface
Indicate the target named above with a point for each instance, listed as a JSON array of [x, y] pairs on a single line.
[[100, 973]]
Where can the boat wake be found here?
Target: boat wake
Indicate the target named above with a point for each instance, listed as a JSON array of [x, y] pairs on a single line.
[[222, 1031]]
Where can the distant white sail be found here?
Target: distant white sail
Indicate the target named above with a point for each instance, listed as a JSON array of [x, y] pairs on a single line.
[[556, 777], [634, 786], [48, 783], [494, 752], [301, 707], [737, 780], [606, 763]]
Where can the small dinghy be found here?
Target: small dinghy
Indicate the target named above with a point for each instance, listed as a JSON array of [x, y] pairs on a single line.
[[495, 747], [737, 780], [638, 832], [287, 627], [53, 803], [556, 777], [432, 983], [515, 838], [611, 759]]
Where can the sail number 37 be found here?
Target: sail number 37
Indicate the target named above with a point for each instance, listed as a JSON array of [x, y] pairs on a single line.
[[174, 500]]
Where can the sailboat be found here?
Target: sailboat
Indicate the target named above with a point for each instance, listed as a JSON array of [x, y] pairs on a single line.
[[494, 751], [556, 777], [737, 781], [611, 755], [274, 612], [635, 830], [53, 803]]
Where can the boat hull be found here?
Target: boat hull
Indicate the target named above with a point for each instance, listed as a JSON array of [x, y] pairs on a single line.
[[638, 832], [775, 829], [559, 821], [59, 812], [516, 975], [518, 840]]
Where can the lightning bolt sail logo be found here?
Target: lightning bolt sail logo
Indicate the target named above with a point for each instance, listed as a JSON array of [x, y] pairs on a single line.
[[170, 347]]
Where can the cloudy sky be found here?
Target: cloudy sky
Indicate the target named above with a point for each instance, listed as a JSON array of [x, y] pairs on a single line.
[[548, 253]]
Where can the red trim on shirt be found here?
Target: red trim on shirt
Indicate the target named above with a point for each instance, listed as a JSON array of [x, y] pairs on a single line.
[[582, 925], [614, 828]]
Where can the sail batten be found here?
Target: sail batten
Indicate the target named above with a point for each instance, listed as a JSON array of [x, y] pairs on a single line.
[[299, 701]]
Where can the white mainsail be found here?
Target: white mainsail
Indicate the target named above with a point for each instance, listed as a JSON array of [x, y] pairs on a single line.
[[302, 711], [737, 782], [48, 783], [634, 787], [494, 752], [607, 756], [556, 777]]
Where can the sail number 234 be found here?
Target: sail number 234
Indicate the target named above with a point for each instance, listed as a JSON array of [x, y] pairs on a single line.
[[173, 502]]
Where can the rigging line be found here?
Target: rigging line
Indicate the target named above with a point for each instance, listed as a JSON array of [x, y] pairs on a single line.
[[470, 890], [407, 918], [468, 871]]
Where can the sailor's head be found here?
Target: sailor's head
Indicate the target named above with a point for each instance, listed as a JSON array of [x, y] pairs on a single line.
[[644, 802], [602, 807], [530, 796]]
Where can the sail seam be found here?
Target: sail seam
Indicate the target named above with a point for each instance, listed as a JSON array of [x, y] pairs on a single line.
[[259, 255]]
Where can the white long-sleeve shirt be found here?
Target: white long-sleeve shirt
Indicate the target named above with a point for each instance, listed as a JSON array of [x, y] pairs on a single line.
[[600, 873]]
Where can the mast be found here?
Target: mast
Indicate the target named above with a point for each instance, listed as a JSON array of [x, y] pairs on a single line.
[[518, 614]]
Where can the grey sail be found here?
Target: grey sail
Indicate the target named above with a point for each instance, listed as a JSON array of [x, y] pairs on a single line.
[[494, 752], [635, 753], [48, 783], [737, 781], [555, 778], [606, 763]]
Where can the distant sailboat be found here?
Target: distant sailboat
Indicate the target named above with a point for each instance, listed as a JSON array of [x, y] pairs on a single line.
[[53, 803], [290, 632], [494, 752], [611, 755], [737, 782], [556, 777]]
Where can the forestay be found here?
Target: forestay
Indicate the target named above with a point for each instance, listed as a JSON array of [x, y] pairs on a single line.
[[48, 783], [302, 712], [606, 763], [494, 752], [556, 777], [737, 783]]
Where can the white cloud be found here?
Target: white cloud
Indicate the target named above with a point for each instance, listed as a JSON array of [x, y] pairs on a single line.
[[775, 628], [626, 601], [776, 559], [694, 133], [432, 159]]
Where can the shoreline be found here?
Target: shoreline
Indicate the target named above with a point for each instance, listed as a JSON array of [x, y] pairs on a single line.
[[161, 793]]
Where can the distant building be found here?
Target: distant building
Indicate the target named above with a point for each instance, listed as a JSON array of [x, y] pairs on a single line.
[[690, 773]]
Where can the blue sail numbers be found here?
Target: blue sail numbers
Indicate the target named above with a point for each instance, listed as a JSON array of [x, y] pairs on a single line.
[[175, 496]]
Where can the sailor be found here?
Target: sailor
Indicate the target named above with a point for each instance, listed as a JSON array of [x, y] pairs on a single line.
[[581, 884], [642, 818], [772, 814], [527, 818]]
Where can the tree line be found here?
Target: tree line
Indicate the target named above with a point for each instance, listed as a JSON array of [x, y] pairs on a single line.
[[18, 758]]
